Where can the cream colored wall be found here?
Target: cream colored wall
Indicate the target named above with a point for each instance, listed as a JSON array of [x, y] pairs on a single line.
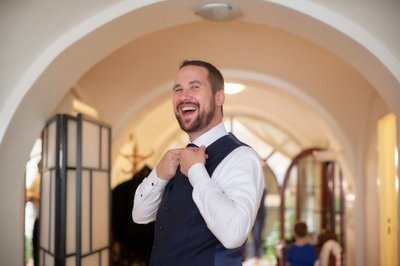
[[31, 31], [371, 203]]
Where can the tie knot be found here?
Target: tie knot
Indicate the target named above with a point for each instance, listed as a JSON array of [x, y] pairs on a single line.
[[191, 145]]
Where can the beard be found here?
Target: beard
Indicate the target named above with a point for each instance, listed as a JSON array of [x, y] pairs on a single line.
[[202, 120]]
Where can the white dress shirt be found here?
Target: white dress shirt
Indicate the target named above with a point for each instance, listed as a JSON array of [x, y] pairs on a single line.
[[228, 201]]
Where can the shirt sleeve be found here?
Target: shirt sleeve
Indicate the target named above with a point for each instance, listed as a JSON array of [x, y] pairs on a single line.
[[229, 200], [147, 198]]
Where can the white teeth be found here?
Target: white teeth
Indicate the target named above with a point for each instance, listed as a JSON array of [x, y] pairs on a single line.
[[189, 108]]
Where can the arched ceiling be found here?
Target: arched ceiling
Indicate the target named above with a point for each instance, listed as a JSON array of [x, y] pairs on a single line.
[[291, 82], [129, 23]]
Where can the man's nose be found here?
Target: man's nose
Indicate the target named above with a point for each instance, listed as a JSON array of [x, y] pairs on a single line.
[[187, 94]]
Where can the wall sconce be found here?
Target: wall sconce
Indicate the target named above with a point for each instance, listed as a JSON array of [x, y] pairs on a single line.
[[75, 209]]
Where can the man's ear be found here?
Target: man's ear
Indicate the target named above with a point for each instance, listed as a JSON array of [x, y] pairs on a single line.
[[220, 98]]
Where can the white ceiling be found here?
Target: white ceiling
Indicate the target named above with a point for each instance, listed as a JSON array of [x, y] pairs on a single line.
[[291, 82]]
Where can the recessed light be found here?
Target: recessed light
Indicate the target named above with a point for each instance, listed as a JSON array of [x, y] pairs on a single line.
[[233, 88]]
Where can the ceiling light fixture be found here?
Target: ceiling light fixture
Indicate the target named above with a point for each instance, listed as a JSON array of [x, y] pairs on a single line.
[[218, 11], [233, 88]]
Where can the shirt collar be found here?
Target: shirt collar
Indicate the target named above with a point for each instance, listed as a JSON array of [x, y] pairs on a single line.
[[211, 135]]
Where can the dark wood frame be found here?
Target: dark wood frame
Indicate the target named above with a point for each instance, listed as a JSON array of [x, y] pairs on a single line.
[[327, 199]]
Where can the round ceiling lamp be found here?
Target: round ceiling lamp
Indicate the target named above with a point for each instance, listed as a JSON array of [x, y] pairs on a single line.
[[218, 11]]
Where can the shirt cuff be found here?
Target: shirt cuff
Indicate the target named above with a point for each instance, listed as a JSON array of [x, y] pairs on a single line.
[[157, 182], [197, 173]]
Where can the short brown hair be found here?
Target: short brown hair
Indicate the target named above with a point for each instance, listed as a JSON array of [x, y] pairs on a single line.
[[215, 77], [300, 229]]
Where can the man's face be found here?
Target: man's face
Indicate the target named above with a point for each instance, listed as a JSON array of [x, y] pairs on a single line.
[[193, 100]]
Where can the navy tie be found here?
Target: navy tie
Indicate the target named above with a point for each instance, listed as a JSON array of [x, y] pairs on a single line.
[[191, 145]]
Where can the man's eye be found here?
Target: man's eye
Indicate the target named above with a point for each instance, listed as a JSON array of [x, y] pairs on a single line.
[[178, 89], [195, 87]]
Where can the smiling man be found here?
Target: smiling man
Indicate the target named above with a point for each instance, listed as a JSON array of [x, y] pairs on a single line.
[[204, 198]]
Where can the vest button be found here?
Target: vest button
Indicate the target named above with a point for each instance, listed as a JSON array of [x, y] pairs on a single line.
[[166, 209], [161, 227]]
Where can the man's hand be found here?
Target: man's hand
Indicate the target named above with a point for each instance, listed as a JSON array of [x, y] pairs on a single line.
[[191, 156], [166, 168]]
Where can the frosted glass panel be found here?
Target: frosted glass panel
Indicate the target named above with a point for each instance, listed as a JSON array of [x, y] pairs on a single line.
[[41, 259], [71, 159], [92, 260], [45, 210], [94, 201], [51, 142], [90, 145], [70, 261], [100, 210], [104, 148], [49, 260], [71, 212], [104, 258], [85, 212]]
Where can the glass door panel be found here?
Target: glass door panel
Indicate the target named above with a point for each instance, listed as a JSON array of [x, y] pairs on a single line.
[[313, 192], [290, 195]]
